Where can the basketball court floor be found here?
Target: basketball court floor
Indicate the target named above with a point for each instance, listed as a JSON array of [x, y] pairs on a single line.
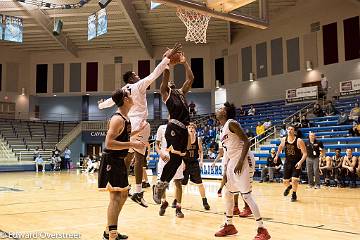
[[69, 202]]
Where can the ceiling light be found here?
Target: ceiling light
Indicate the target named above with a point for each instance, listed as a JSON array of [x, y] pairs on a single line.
[[251, 77], [309, 66], [104, 3]]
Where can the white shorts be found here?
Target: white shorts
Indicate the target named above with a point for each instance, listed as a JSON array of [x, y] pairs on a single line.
[[142, 136], [178, 175], [240, 183]]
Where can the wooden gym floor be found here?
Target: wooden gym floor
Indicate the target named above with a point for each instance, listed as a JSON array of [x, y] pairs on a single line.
[[68, 202]]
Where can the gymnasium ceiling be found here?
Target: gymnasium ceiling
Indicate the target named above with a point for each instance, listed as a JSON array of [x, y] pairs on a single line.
[[160, 27]]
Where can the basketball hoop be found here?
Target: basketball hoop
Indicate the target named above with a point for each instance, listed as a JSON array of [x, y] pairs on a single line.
[[196, 24]]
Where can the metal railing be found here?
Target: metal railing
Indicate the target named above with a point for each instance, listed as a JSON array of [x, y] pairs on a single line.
[[257, 140], [262, 137], [5, 152], [69, 138], [94, 125], [305, 108]]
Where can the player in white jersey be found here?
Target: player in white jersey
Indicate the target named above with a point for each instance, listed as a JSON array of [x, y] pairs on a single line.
[[239, 170], [161, 149], [246, 212], [138, 115]]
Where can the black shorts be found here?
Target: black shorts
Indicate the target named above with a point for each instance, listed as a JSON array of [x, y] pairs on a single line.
[[113, 174], [290, 170], [192, 171], [145, 163], [177, 137]]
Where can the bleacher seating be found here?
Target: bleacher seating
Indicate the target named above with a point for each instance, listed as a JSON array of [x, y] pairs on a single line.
[[24, 136], [276, 111], [326, 130]]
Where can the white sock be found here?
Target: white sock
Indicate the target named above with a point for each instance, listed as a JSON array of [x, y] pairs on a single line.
[[260, 223], [229, 220], [138, 188]]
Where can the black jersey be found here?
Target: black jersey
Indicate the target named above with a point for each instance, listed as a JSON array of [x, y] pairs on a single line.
[[124, 136], [336, 161], [292, 152], [192, 152], [178, 107], [322, 161]]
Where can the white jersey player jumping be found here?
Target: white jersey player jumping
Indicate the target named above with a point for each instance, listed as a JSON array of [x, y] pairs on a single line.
[[138, 115], [239, 170]]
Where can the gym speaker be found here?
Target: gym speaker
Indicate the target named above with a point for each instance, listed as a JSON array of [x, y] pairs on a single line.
[[57, 27], [104, 3]]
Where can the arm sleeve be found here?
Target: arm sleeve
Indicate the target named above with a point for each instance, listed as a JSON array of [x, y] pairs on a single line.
[[143, 84], [106, 104]]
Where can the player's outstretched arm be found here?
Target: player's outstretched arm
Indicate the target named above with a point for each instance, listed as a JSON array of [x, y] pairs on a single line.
[[164, 86], [146, 82], [106, 104], [189, 76]]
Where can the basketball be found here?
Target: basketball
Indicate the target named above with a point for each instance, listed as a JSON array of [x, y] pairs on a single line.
[[175, 59]]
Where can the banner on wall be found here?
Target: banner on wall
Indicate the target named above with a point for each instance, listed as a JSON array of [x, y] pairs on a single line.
[[351, 87], [301, 94], [93, 136], [212, 172]]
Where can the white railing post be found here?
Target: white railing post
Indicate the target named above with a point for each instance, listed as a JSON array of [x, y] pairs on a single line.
[[255, 143]]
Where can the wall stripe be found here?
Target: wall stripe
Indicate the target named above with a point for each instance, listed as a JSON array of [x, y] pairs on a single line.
[[58, 78], [277, 61], [75, 77]]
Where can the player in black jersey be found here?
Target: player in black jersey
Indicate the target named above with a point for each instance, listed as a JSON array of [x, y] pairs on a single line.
[[176, 133], [295, 155], [194, 153], [113, 172]]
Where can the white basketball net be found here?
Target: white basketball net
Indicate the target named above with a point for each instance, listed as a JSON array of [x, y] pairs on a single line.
[[196, 24]]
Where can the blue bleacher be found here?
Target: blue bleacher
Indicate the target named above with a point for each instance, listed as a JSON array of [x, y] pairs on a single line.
[[327, 140], [326, 118], [324, 123], [329, 128], [326, 146], [327, 131], [328, 134], [282, 155]]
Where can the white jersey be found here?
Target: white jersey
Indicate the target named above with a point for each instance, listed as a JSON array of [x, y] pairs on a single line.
[[231, 143], [138, 93], [233, 146]]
